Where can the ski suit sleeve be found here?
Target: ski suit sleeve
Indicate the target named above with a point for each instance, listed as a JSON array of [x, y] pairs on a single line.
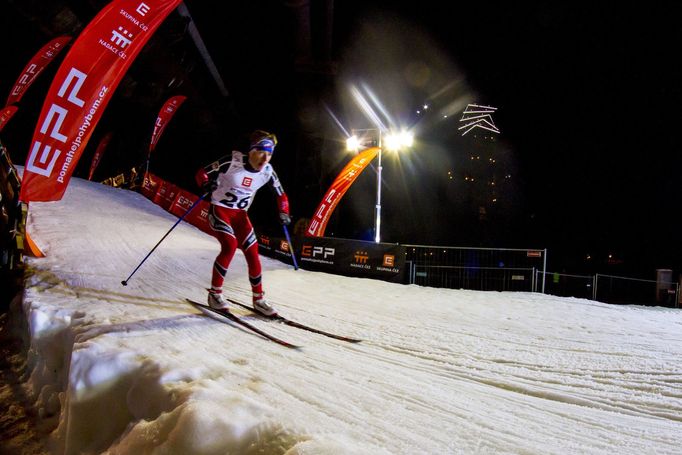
[[282, 199], [207, 175], [201, 177]]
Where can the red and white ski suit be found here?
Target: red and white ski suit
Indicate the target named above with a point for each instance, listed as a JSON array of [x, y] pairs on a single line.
[[237, 184]]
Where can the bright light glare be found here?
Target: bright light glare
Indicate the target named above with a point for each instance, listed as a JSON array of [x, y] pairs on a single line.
[[353, 144], [406, 139], [392, 142], [395, 142], [367, 107]]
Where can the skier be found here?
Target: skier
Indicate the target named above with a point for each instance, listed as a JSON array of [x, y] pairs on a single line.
[[232, 182]]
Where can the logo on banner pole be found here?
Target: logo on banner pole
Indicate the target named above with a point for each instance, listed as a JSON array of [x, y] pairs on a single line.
[[122, 37], [142, 9]]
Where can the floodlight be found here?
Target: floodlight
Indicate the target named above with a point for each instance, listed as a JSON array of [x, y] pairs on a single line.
[[353, 144]]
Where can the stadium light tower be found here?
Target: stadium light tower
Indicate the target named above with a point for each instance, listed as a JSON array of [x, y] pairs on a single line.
[[373, 138]]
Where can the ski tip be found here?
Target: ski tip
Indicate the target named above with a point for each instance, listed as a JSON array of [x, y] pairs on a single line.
[[195, 303]]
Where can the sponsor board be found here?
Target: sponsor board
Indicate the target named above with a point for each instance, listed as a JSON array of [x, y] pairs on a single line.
[[345, 257]]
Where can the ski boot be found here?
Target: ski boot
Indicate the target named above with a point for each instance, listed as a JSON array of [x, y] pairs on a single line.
[[262, 306], [217, 301]]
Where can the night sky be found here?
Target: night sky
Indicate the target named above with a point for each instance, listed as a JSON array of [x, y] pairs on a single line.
[[587, 99]]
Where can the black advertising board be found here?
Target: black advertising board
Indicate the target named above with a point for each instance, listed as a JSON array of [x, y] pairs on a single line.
[[340, 256]]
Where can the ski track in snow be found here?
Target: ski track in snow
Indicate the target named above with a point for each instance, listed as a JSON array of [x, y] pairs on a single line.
[[440, 371]]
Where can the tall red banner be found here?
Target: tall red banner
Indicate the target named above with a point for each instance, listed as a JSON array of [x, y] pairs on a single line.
[[337, 189], [35, 66], [101, 147], [81, 89], [5, 114], [165, 114]]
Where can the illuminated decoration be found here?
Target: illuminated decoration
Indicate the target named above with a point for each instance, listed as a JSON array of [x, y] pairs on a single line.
[[477, 116]]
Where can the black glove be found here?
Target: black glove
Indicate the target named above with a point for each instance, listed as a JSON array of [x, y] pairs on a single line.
[[284, 218], [210, 186]]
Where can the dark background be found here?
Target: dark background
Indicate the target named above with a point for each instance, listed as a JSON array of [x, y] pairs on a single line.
[[586, 163]]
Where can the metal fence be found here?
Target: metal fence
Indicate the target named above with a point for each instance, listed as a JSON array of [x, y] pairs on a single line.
[[612, 289], [566, 285], [485, 269], [508, 269]]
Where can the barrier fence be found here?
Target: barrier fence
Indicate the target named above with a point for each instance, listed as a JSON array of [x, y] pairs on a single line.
[[567, 285], [484, 269], [614, 289]]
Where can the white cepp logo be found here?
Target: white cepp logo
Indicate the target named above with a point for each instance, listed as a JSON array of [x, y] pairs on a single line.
[[42, 159], [317, 251]]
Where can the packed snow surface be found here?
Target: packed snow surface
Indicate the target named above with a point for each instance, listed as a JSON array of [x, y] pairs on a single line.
[[137, 370]]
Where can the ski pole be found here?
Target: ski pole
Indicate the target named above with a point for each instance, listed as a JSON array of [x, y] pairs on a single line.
[[125, 282], [291, 246]]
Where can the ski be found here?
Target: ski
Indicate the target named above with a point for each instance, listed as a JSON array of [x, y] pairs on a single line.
[[236, 319], [298, 325]]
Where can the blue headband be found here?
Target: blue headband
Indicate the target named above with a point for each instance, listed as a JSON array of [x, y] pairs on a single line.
[[267, 145]]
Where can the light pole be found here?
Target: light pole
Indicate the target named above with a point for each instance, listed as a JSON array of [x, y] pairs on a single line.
[[377, 210], [393, 142]]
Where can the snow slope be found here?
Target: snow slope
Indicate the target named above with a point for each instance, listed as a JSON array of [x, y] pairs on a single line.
[[136, 370]]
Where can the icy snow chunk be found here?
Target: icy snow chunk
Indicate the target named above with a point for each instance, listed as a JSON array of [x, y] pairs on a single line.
[[334, 445], [228, 422], [98, 385], [43, 323], [92, 372]]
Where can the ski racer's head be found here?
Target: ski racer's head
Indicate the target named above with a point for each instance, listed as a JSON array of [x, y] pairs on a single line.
[[261, 148]]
